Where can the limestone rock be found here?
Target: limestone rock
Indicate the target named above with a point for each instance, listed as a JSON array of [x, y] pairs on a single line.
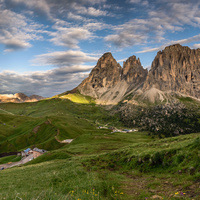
[[176, 68], [109, 83], [104, 75], [133, 72]]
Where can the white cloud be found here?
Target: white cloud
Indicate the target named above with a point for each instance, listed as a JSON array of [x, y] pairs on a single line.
[[70, 37], [183, 41], [134, 1], [63, 58], [16, 31], [73, 16], [90, 11], [196, 46], [46, 84], [161, 19], [53, 7]]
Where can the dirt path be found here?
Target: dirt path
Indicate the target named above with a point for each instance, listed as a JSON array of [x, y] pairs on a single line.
[[67, 141], [22, 161]]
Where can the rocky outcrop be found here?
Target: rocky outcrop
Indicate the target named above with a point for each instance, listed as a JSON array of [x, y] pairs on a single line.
[[133, 72], [108, 82], [106, 74], [176, 68], [19, 98]]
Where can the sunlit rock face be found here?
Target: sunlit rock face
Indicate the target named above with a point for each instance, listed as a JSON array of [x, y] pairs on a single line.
[[176, 68], [133, 72], [19, 98], [108, 81], [106, 74]]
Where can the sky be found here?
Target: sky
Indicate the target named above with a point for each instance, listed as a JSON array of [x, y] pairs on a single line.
[[49, 46]]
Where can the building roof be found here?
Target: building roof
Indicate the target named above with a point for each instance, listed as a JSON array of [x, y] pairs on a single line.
[[39, 150], [27, 150]]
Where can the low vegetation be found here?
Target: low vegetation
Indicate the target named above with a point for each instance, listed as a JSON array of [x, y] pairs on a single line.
[[97, 164], [164, 120]]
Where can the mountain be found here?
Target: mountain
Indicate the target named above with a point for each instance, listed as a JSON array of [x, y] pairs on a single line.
[[19, 98], [175, 70], [108, 82]]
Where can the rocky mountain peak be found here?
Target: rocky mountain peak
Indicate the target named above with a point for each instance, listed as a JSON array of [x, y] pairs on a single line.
[[133, 72], [21, 96], [106, 74], [176, 68]]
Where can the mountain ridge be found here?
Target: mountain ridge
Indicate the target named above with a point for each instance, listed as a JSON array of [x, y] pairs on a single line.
[[175, 70], [19, 98]]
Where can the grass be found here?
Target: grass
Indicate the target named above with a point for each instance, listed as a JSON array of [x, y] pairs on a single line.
[[7, 159], [98, 164], [29, 126]]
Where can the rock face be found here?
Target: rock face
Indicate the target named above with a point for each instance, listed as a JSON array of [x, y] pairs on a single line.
[[133, 72], [108, 81], [104, 75], [19, 98], [177, 69]]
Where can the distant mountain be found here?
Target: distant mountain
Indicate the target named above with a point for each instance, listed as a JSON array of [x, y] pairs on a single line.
[[19, 98], [174, 71]]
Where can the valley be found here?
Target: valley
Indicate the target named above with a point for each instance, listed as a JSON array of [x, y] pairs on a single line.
[[122, 134], [97, 164]]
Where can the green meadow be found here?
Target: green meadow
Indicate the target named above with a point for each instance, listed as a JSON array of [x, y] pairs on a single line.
[[97, 164]]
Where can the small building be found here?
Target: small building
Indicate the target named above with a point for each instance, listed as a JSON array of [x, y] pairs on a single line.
[[25, 152], [38, 152]]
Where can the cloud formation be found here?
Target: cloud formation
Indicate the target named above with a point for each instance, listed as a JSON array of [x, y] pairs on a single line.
[[16, 31], [183, 41], [46, 84], [162, 19], [63, 58], [69, 37]]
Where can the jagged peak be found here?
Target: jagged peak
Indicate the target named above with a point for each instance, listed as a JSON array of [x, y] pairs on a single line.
[[133, 60], [175, 47]]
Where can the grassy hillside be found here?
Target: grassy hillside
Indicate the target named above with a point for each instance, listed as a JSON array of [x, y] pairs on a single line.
[[141, 168], [98, 164], [36, 124]]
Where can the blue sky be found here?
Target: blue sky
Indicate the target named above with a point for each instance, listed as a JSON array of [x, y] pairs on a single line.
[[49, 46]]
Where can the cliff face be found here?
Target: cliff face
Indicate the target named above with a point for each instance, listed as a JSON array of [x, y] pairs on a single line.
[[176, 68], [105, 74], [133, 72], [108, 81]]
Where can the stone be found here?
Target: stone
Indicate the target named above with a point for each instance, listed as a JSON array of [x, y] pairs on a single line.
[[133, 72], [176, 68], [106, 74], [108, 82], [156, 197]]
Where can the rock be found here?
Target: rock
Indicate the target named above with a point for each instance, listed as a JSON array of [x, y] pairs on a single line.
[[156, 197], [174, 71], [176, 68], [133, 72], [108, 82], [106, 74]]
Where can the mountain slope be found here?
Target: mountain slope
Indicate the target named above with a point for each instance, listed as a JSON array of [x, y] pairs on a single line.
[[176, 68], [108, 82], [174, 71]]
